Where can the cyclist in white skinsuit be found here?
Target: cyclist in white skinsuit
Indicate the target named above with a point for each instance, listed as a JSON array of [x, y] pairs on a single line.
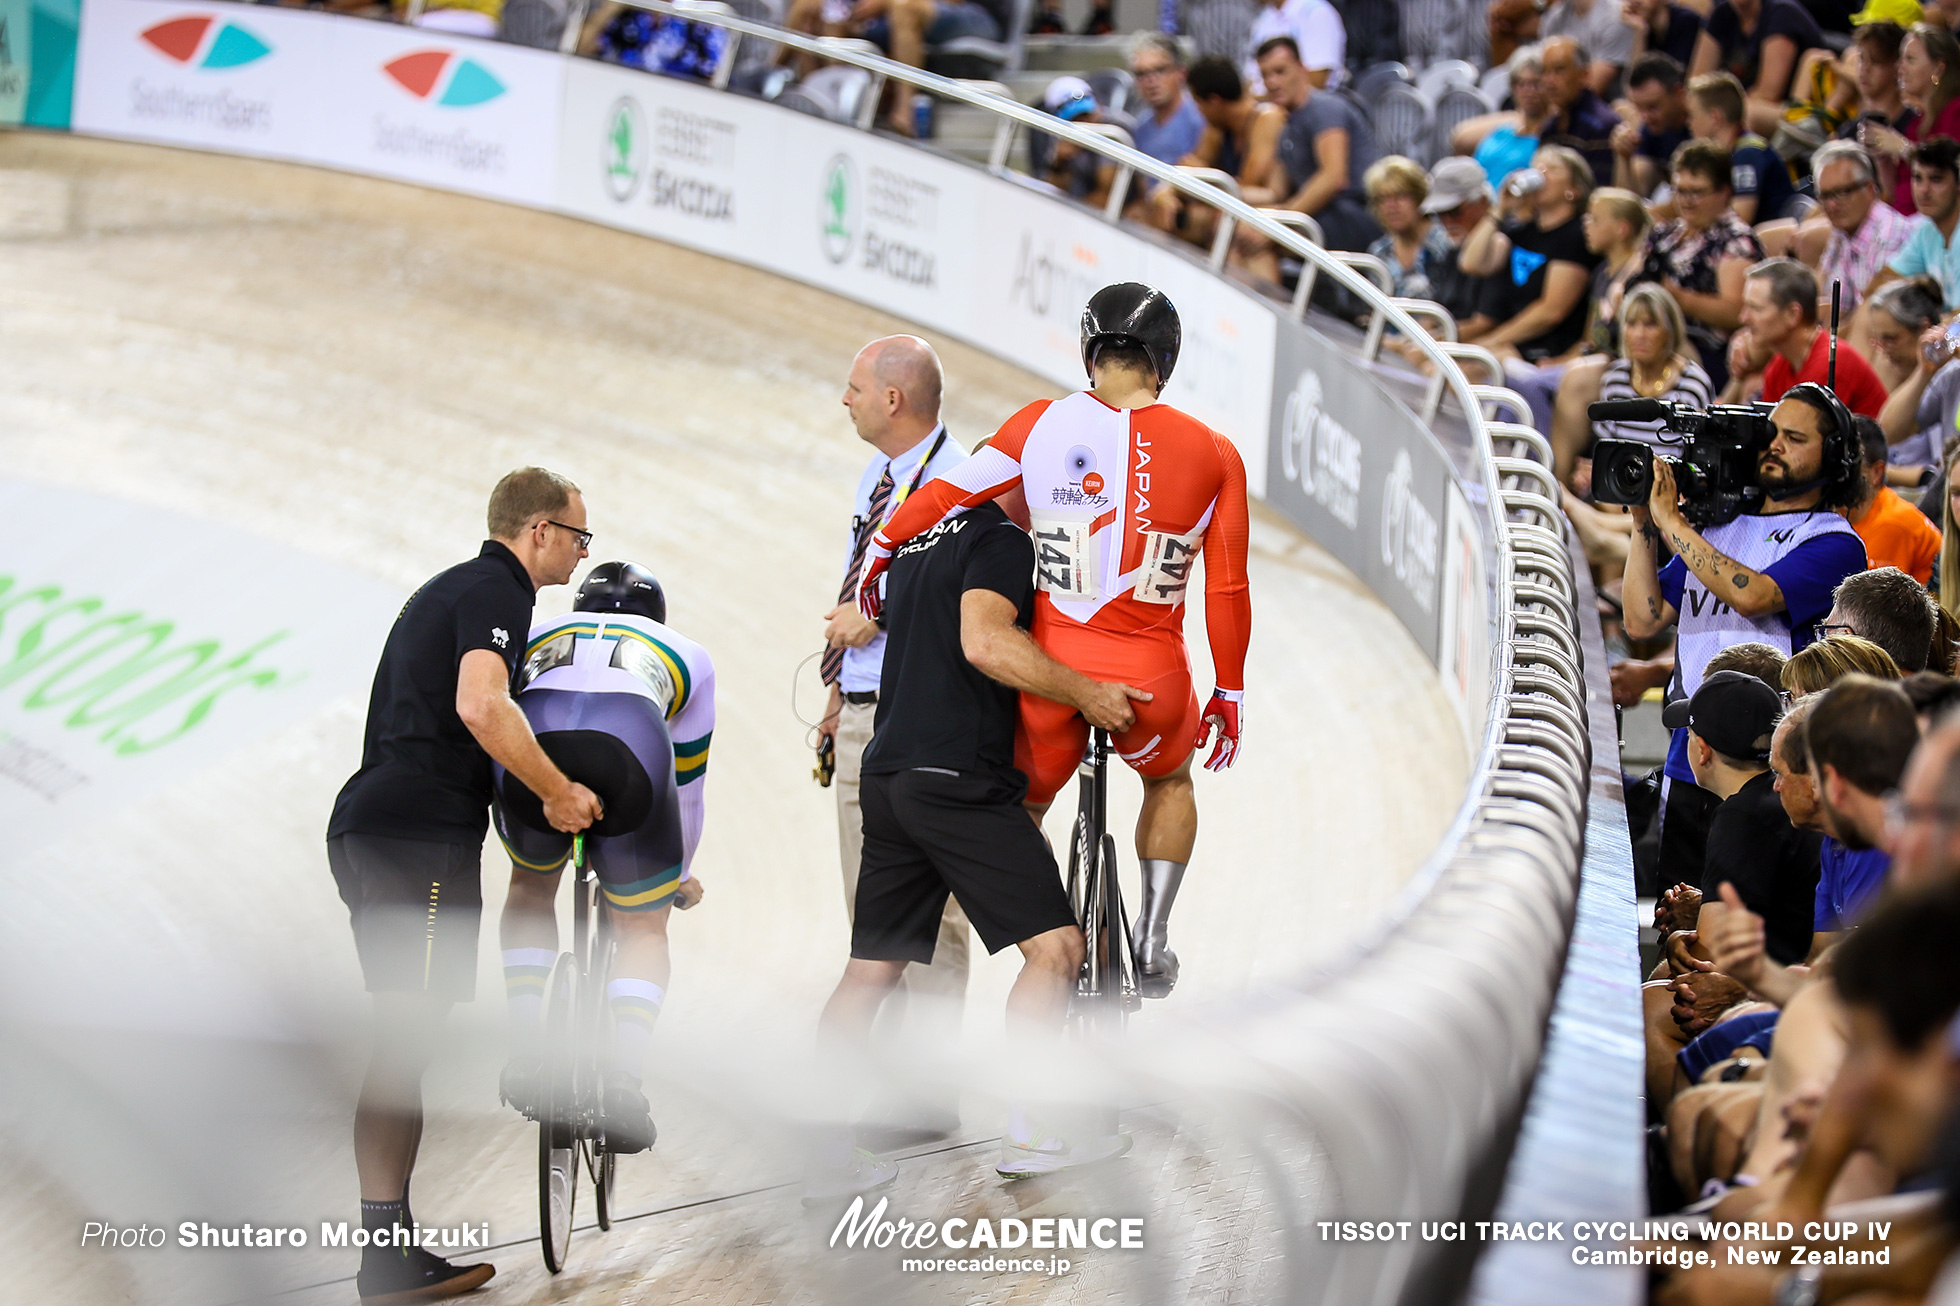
[[627, 703]]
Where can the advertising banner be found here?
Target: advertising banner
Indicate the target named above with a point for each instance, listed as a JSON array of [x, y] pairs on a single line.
[[1463, 661], [16, 59], [131, 654], [473, 116], [1354, 469], [931, 239], [242, 79], [671, 160]]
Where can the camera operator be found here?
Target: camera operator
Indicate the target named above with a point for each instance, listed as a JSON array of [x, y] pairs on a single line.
[[1764, 576]]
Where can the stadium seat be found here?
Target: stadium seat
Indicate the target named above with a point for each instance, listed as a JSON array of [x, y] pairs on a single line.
[[1373, 81], [1114, 89], [1220, 27], [834, 92], [1438, 77], [1496, 84], [1458, 104], [975, 58], [1402, 123]]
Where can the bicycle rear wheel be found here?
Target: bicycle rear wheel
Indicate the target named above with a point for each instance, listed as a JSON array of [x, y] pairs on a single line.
[[558, 1143]]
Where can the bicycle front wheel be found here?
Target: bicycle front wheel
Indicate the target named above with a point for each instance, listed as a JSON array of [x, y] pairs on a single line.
[[558, 1159]]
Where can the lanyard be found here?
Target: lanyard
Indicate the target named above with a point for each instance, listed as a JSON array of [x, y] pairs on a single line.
[[918, 478]]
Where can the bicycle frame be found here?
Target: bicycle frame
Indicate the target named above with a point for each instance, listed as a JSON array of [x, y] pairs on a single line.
[[1106, 990]]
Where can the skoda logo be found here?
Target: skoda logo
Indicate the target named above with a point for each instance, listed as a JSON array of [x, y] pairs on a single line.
[[838, 211], [626, 147]]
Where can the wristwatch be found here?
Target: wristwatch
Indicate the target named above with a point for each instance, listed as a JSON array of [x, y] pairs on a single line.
[[1802, 1286]]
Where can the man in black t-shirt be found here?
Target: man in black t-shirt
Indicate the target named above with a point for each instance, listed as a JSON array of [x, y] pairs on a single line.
[[406, 837], [942, 812], [1751, 843]]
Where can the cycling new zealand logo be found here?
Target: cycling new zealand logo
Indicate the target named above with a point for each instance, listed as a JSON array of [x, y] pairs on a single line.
[[626, 148], [205, 43], [445, 78], [839, 209]]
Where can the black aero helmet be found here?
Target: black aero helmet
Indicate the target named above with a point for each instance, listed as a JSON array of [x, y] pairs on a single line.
[[1132, 313], [622, 587]]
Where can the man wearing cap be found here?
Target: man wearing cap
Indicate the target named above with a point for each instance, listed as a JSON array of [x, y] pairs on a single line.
[[1064, 165], [1751, 843], [1459, 197]]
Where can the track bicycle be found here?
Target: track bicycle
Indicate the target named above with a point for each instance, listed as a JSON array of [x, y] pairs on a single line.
[[1106, 990], [571, 1132]]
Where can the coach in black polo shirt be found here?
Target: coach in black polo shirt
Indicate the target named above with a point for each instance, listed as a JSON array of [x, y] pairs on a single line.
[[942, 803], [406, 837]]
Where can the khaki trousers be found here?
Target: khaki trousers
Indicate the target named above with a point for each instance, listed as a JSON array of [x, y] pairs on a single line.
[[943, 983]]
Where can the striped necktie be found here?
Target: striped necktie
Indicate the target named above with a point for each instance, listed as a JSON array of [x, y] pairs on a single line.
[[881, 497]]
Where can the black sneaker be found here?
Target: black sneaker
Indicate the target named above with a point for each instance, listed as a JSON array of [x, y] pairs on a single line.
[[1101, 22], [397, 1276], [628, 1121], [522, 1084], [1048, 23]]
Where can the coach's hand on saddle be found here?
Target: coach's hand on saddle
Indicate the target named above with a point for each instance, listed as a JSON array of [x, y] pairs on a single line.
[[573, 808]]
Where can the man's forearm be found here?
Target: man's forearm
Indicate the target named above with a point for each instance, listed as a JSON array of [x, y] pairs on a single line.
[[506, 735], [1010, 655], [1899, 419], [1750, 593], [1640, 588]]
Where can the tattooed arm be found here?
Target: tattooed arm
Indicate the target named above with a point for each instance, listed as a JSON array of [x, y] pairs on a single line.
[[1750, 593], [1647, 613]]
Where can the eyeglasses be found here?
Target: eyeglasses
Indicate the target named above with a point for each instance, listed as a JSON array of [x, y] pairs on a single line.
[[1899, 813], [1691, 194], [584, 537], [1824, 630], [1159, 70], [1840, 192]]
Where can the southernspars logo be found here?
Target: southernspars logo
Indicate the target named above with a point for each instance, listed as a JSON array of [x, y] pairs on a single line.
[[206, 43], [839, 208], [444, 77], [626, 148]]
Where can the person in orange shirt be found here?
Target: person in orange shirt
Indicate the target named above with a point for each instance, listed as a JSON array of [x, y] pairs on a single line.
[[1895, 533], [1124, 493]]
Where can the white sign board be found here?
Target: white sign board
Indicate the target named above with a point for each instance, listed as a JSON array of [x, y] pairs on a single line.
[[137, 645], [464, 115]]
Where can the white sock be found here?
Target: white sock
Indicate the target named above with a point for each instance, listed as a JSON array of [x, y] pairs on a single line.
[[525, 973], [635, 1007]]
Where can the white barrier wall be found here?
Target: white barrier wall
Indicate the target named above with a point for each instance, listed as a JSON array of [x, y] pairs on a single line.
[[989, 259]]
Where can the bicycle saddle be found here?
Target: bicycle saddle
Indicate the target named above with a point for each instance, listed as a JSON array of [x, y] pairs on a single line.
[[602, 763]]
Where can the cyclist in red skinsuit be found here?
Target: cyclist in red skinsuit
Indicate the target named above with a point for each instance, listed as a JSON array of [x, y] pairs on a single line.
[[1123, 493]]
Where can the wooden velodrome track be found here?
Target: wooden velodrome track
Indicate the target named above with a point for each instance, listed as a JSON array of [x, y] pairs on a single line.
[[344, 367]]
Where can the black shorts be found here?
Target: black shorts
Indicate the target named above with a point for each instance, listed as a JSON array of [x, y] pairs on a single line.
[[616, 745], [929, 832], [416, 907]]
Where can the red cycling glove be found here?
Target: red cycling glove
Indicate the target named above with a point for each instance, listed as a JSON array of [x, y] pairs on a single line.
[[1224, 709], [871, 598]]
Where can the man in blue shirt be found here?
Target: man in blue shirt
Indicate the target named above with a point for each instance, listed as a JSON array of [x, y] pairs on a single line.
[[1930, 249], [1171, 127], [1764, 576], [1580, 118], [893, 395]]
